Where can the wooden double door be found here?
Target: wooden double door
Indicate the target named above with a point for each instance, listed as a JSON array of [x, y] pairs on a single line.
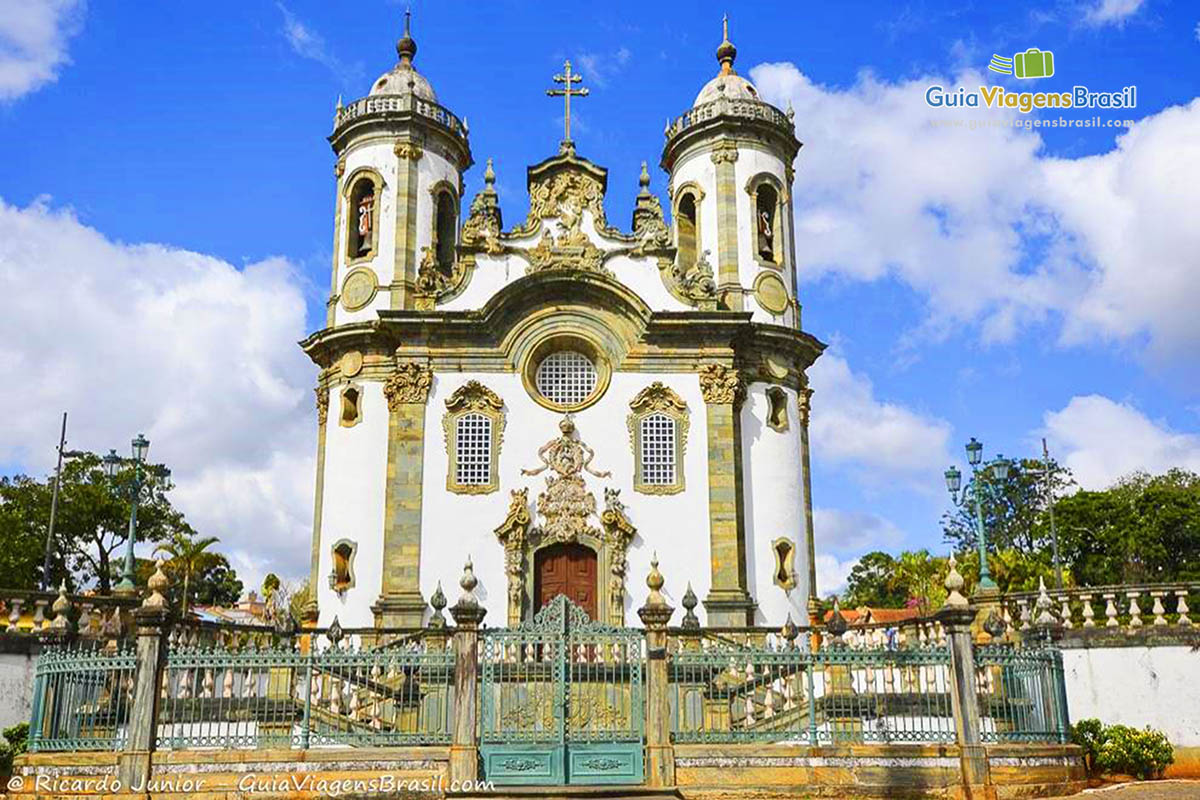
[[569, 570]]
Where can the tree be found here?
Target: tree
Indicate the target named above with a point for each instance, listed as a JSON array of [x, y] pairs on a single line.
[[1143, 529], [91, 528], [188, 556], [872, 583], [1013, 509]]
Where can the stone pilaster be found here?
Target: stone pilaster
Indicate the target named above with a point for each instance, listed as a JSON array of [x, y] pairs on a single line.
[[331, 306], [404, 274], [804, 402], [400, 603], [956, 616], [729, 285], [655, 614], [464, 742], [134, 764], [728, 602], [311, 608]]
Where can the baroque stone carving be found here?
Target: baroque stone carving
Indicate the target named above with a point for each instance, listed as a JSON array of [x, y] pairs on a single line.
[[569, 192], [484, 221], [322, 393], [804, 401], [512, 534], [618, 533], [697, 283], [410, 383], [566, 506], [408, 150], [721, 384], [571, 251], [726, 152]]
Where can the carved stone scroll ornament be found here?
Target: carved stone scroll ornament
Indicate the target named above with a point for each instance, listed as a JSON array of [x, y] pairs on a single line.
[[512, 534], [572, 250], [566, 506], [618, 533], [433, 283], [410, 383], [565, 193], [322, 404], [720, 384]]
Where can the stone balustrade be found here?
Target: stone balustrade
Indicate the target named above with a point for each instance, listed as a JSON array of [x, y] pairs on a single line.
[[29, 613], [724, 107], [381, 105], [1162, 606]]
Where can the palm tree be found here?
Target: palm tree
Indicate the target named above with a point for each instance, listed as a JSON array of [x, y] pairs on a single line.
[[188, 556]]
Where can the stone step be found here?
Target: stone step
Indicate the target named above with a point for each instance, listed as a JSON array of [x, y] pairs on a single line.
[[571, 793]]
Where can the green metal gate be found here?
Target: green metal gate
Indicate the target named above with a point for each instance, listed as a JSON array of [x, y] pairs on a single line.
[[562, 700]]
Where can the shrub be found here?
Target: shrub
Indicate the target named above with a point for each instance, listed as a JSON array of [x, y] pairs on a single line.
[[1089, 735], [15, 741], [1141, 753]]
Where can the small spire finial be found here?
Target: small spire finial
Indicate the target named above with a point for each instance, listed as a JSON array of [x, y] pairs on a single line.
[[406, 48], [726, 53], [489, 175]]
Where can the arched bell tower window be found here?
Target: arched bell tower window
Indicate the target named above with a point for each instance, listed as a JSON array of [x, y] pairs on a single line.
[[687, 226], [365, 188], [765, 196], [445, 226], [766, 240]]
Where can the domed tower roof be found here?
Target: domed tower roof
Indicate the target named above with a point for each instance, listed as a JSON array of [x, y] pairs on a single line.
[[404, 78], [727, 83]]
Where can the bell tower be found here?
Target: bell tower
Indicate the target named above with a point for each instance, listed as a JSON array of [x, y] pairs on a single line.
[[400, 160], [730, 158]]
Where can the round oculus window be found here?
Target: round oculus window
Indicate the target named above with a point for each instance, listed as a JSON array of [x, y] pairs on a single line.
[[566, 378]]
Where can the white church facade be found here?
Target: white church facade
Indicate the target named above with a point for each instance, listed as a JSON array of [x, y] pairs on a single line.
[[554, 396]]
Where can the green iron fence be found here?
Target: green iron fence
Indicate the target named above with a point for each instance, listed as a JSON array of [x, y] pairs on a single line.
[[277, 697], [1022, 694], [82, 698], [775, 691]]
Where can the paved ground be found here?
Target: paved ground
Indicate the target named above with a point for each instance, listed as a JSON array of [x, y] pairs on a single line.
[[1151, 790]]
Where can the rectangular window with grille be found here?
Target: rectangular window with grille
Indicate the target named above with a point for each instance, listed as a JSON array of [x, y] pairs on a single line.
[[473, 450], [658, 450]]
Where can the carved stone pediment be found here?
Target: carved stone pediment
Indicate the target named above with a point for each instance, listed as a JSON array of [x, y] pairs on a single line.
[[571, 251]]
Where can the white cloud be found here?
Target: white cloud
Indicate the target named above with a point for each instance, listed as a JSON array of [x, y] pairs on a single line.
[[198, 354], [600, 68], [33, 42], [1112, 12], [1102, 441], [882, 440], [308, 43], [839, 531], [985, 225], [832, 574]]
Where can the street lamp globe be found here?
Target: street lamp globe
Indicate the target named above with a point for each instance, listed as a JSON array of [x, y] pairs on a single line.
[[112, 463], [141, 446], [953, 480], [1000, 467], [974, 451]]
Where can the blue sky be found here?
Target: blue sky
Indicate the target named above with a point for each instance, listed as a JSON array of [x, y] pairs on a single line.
[[168, 192]]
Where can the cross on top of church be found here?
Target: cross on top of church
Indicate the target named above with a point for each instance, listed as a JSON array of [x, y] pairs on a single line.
[[568, 80]]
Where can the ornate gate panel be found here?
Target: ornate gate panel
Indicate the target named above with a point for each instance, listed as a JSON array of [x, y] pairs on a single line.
[[562, 700]]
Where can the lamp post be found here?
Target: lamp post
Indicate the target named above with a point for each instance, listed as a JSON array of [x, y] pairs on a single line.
[[975, 488], [112, 465]]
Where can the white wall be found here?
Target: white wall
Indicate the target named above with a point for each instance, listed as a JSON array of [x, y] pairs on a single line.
[[455, 526], [1137, 686], [773, 498], [16, 688], [352, 505]]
